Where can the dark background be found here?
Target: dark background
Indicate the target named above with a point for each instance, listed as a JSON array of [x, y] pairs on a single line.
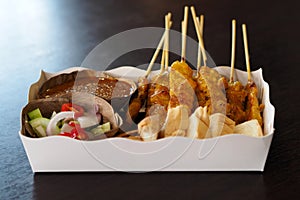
[[54, 35]]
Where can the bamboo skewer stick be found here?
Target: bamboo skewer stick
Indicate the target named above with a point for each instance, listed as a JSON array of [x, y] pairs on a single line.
[[233, 46], [199, 34], [155, 55], [182, 38], [168, 40], [165, 54], [158, 48], [246, 51], [168, 26], [184, 31], [199, 52], [162, 63], [201, 24]]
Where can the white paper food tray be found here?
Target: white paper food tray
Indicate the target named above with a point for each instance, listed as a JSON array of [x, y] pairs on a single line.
[[225, 153]]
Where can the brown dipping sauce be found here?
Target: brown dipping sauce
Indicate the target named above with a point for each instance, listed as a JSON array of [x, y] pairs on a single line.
[[106, 88]]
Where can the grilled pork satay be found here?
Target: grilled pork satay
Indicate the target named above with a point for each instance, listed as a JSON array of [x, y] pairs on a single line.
[[253, 108], [235, 92], [158, 96], [138, 101], [149, 103], [210, 90], [143, 86], [182, 92], [158, 93], [182, 85]]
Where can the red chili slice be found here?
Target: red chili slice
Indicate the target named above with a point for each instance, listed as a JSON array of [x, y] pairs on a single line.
[[79, 132], [74, 123], [73, 107], [76, 133], [71, 135]]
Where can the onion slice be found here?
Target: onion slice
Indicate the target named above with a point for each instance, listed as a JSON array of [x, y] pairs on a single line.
[[52, 126]]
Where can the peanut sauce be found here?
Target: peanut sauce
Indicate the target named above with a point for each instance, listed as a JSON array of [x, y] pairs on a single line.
[[106, 88]]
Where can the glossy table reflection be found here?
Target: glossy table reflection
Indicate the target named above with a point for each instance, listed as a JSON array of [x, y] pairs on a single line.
[[54, 35]]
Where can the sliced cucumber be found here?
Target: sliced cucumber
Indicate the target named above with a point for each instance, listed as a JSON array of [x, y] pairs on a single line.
[[105, 127], [39, 122], [39, 126], [101, 129], [40, 131], [35, 114]]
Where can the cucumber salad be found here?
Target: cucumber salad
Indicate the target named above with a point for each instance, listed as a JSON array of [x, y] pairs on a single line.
[[72, 121]]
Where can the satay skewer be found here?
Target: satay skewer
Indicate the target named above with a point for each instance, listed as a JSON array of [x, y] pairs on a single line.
[[208, 91], [235, 92], [181, 80], [138, 100], [158, 94], [181, 90], [253, 108]]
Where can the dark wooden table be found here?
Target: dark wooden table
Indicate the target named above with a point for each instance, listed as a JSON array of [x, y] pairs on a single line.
[[54, 35]]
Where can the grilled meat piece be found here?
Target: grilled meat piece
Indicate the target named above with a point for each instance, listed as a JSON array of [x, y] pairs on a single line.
[[253, 108], [138, 101], [182, 86], [236, 95], [158, 94], [210, 90]]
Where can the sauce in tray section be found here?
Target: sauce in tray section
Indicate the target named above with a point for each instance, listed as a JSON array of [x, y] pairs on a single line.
[[106, 88]]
